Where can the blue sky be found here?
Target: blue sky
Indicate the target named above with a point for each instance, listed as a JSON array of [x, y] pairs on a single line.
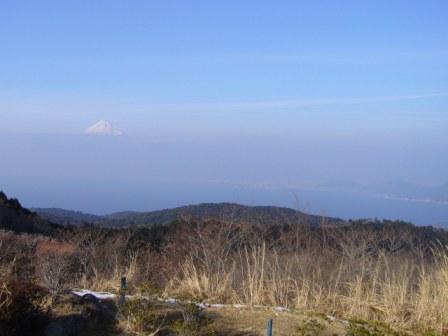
[[72, 62], [369, 77]]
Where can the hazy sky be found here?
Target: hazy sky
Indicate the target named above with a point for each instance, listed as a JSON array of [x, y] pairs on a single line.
[[250, 90]]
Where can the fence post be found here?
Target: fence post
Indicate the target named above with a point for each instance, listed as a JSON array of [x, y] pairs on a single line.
[[122, 290], [269, 328]]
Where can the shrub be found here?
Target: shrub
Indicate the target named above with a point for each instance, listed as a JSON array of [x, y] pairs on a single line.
[[193, 322], [21, 310], [310, 327], [140, 317], [57, 263]]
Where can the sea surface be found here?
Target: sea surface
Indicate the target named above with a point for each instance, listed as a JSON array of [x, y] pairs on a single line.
[[101, 197]]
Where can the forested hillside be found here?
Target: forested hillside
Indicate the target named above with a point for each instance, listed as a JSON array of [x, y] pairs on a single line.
[[254, 215], [18, 219]]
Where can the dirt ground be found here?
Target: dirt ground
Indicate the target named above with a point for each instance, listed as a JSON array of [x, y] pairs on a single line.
[[228, 321], [236, 322]]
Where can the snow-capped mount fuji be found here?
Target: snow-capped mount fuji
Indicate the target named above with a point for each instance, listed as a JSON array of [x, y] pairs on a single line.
[[103, 127]]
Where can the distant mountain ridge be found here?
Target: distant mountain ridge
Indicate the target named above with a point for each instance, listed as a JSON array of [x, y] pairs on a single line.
[[65, 217], [258, 215]]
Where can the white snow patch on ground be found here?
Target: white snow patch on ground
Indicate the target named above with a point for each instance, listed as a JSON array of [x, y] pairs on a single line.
[[98, 295], [204, 305]]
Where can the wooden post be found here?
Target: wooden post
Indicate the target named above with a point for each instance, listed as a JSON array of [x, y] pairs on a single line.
[[122, 290], [269, 328]]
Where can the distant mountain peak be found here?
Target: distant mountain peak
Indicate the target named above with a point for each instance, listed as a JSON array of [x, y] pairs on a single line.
[[103, 127]]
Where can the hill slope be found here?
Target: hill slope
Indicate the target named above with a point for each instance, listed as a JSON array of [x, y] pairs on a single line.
[[257, 215], [16, 218]]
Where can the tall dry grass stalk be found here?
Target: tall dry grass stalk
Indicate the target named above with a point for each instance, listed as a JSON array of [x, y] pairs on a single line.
[[398, 290], [194, 282], [431, 299], [254, 278]]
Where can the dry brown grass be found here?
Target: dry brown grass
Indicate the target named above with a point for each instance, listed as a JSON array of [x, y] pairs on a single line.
[[385, 275], [400, 289]]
